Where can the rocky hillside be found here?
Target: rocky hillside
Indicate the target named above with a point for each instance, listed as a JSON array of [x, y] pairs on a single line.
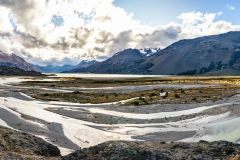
[[217, 54], [14, 71], [14, 65], [17, 145], [12, 60], [159, 151], [127, 61]]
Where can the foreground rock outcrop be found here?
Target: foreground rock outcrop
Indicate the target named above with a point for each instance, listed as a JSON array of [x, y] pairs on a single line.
[[158, 151], [17, 145]]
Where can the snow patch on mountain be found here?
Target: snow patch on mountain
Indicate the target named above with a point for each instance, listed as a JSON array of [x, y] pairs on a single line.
[[149, 51]]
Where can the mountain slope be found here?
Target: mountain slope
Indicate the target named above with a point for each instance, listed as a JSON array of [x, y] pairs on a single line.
[[217, 54], [14, 71], [126, 61], [15, 61]]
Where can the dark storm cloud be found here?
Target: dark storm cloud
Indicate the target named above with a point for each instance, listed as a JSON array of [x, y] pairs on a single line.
[[80, 36], [160, 37], [21, 9]]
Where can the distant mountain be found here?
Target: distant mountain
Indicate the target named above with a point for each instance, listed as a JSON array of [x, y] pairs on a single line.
[[85, 63], [81, 66], [64, 68], [217, 54], [126, 61], [54, 69], [12, 60]]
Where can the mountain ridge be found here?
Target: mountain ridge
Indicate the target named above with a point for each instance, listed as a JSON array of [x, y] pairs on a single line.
[[12, 60], [11, 64], [125, 61], [203, 55], [64, 68]]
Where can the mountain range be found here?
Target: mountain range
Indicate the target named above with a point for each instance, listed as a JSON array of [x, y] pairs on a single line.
[[216, 54], [126, 61], [208, 55], [63, 68], [126, 58]]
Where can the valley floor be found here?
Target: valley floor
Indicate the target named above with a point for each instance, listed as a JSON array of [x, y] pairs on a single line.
[[74, 113]]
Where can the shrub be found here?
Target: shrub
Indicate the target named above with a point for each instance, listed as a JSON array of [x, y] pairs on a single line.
[[177, 96], [135, 103]]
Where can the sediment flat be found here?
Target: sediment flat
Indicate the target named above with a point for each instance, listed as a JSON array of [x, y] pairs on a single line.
[[70, 114]]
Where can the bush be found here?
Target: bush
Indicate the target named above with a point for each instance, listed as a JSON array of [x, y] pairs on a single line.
[[177, 96], [182, 91], [135, 103], [194, 99], [153, 94], [46, 94]]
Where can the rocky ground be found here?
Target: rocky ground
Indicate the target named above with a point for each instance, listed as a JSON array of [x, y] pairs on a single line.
[[18, 145], [159, 151]]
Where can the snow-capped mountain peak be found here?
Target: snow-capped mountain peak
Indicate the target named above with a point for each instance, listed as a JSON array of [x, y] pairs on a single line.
[[149, 51]]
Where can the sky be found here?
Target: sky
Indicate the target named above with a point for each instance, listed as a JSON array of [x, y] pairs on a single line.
[[156, 12], [62, 32]]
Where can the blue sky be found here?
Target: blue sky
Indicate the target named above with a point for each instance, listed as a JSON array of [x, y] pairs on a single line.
[[158, 12]]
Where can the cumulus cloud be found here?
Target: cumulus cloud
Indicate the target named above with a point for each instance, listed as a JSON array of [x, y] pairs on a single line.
[[231, 7], [195, 24], [68, 31]]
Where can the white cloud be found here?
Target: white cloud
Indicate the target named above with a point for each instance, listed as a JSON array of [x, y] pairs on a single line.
[[5, 21], [90, 29], [231, 7], [196, 24]]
